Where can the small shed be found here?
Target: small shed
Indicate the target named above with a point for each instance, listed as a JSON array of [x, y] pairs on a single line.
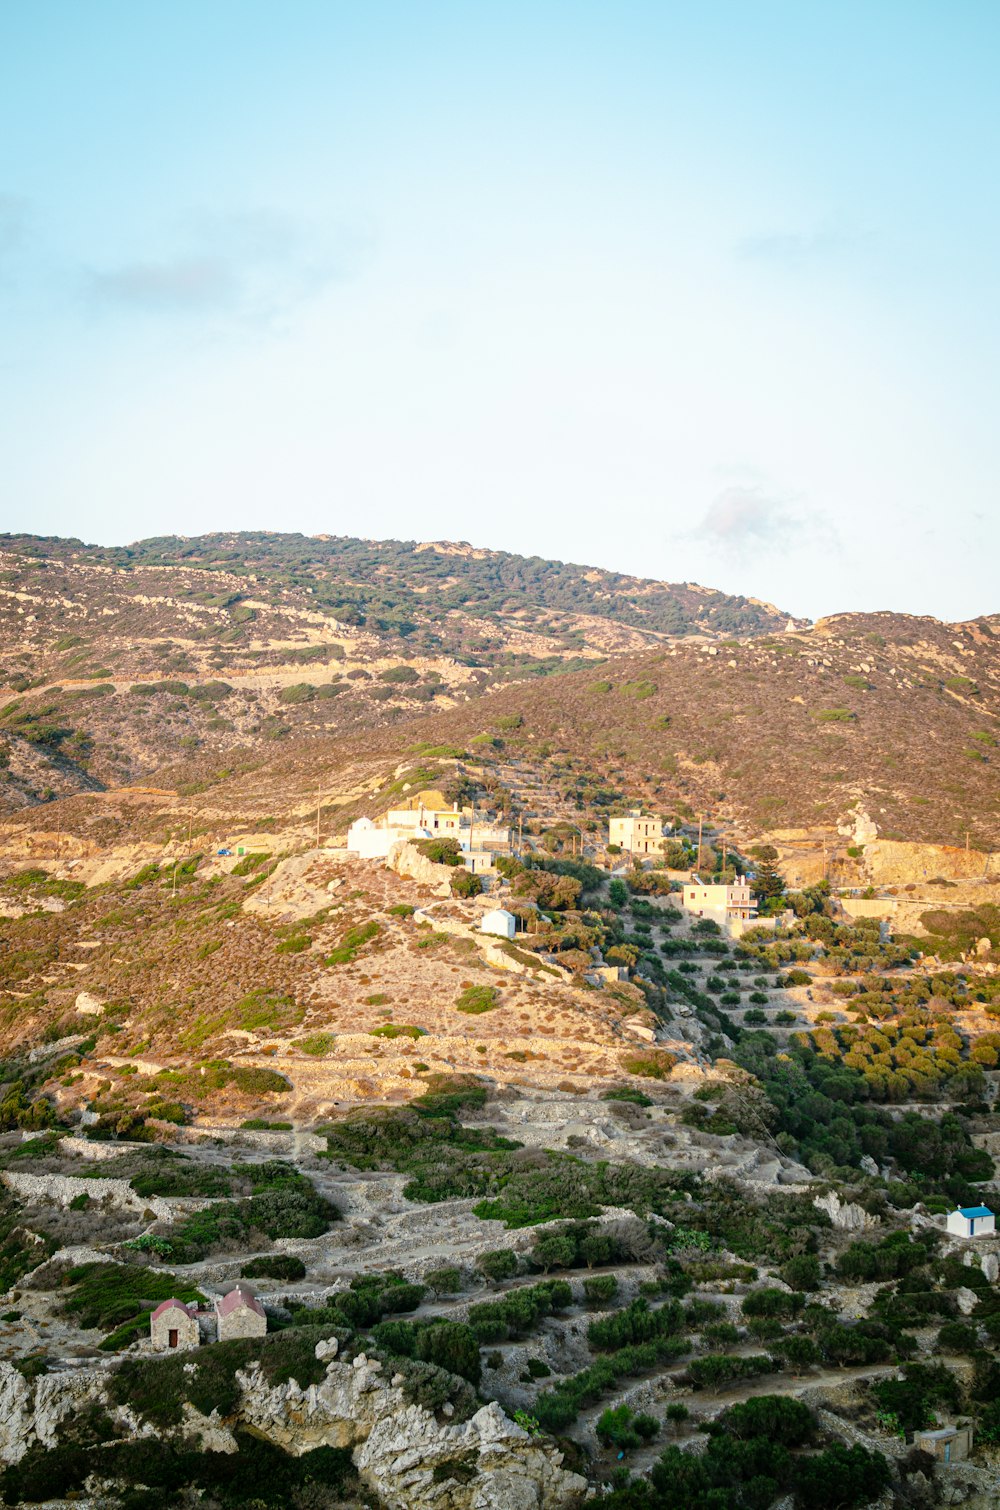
[[240, 1314], [174, 1324], [499, 921], [949, 1444], [971, 1221]]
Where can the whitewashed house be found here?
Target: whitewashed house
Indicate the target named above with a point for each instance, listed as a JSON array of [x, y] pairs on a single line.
[[971, 1221], [499, 921]]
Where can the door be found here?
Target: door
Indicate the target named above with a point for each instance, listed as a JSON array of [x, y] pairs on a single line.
[[171, 1339]]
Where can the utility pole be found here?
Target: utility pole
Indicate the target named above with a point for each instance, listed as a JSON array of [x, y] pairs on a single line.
[[701, 817], [319, 804]]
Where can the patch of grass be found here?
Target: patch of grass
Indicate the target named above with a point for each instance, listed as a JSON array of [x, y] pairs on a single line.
[[654, 1065], [476, 999], [353, 940], [398, 1030], [317, 1044], [111, 1297]]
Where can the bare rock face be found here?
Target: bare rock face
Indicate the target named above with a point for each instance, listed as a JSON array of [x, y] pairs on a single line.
[[406, 860], [967, 1300], [403, 1452], [990, 1265], [34, 1412], [845, 1214]]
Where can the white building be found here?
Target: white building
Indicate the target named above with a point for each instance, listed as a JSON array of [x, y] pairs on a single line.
[[499, 921], [732, 907], [637, 833], [370, 842], [971, 1221], [429, 816]]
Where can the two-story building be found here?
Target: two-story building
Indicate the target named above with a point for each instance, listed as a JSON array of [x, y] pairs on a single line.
[[733, 907], [637, 833]]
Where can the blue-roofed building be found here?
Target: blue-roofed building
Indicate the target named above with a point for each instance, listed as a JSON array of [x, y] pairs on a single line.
[[971, 1221]]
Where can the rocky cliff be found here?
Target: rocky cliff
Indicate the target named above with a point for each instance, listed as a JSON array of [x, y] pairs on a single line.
[[406, 1455]]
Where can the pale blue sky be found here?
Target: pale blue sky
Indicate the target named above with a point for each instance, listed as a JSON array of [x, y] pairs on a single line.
[[700, 291]]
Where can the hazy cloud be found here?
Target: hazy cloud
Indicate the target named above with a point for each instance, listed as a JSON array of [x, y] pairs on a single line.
[[13, 221], [253, 265], [746, 520], [791, 246], [188, 283]]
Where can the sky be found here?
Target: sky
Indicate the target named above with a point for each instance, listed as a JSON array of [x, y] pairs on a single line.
[[703, 292]]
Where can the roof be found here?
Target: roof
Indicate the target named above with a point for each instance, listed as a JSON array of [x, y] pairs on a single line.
[[167, 1305], [498, 912], [971, 1211], [236, 1299], [941, 1433]]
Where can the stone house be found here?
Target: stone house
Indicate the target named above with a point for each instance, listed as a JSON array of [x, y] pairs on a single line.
[[637, 833], [240, 1314], [174, 1325], [949, 1444]]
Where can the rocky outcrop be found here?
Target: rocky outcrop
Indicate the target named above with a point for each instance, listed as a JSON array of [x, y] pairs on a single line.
[[404, 1454], [846, 1215], [406, 860]]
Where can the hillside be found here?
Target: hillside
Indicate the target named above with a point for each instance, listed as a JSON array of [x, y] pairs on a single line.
[[114, 660], [895, 716], [171, 665]]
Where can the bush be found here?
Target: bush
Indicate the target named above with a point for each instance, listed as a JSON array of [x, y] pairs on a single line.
[[518, 1312], [449, 1345], [599, 1288], [771, 1303], [476, 999], [627, 1093], [654, 1065], [446, 1281], [718, 1369], [619, 1426], [498, 1263], [802, 1272], [274, 1266]]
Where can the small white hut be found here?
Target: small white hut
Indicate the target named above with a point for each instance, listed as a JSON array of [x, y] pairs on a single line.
[[499, 921]]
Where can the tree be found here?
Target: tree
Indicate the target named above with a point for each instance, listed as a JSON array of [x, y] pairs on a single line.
[[768, 884]]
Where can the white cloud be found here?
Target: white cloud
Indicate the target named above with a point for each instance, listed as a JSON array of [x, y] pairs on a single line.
[[746, 521]]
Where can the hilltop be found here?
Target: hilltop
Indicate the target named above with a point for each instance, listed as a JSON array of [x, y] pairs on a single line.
[[113, 660], [260, 668]]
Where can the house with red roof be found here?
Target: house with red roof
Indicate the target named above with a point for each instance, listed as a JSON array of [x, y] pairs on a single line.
[[174, 1324], [240, 1314]]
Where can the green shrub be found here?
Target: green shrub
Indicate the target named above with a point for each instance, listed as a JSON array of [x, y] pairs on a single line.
[[619, 1426], [477, 999], [599, 1288], [498, 1263], [274, 1266], [316, 1044]]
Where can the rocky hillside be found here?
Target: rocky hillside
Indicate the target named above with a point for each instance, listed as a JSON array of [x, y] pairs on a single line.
[[115, 660], [262, 669]]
